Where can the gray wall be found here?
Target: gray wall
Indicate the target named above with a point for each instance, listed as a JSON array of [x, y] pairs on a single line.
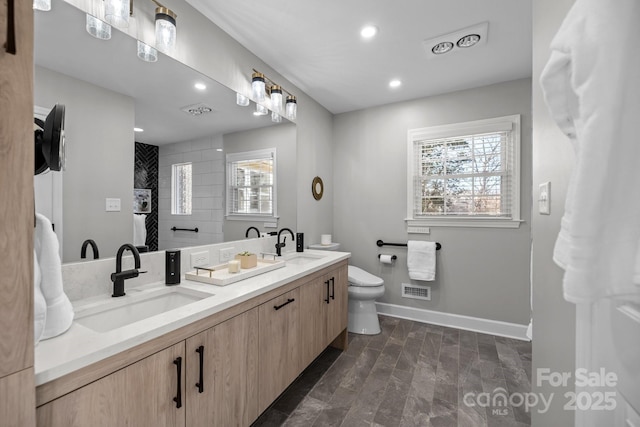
[[208, 193], [553, 317], [100, 153], [481, 272], [283, 138]]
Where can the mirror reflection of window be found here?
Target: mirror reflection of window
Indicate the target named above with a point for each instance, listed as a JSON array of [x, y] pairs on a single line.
[[181, 189], [251, 180]]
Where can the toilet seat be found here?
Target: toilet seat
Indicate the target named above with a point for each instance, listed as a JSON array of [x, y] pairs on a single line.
[[361, 278]]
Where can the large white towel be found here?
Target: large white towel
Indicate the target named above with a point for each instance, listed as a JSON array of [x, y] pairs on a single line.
[[139, 229], [59, 309], [592, 89], [421, 260]]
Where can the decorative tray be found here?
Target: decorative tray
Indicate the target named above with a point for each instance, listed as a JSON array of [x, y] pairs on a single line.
[[219, 274]]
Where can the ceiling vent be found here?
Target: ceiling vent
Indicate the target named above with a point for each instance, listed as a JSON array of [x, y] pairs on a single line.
[[197, 109], [460, 40]]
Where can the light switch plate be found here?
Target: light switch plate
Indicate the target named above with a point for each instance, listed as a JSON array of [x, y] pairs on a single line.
[[112, 205], [544, 198]]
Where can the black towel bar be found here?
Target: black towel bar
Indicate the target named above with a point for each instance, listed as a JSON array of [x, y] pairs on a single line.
[[195, 230], [380, 243]]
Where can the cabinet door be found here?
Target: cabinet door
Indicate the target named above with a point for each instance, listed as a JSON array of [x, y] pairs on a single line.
[[142, 394], [279, 345], [314, 303], [222, 391], [337, 316]]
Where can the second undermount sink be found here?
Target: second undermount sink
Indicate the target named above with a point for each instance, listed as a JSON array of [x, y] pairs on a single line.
[[301, 258], [133, 307]]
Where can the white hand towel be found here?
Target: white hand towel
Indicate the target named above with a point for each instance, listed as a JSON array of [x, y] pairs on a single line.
[[139, 230], [421, 260], [59, 314], [39, 303]]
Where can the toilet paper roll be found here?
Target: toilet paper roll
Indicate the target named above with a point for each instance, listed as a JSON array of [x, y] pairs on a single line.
[[325, 239], [386, 259]]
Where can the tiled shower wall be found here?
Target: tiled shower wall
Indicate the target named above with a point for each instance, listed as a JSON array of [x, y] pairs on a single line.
[[146, 176]]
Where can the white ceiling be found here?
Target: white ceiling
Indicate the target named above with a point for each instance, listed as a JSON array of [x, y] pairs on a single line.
[[317, 46]]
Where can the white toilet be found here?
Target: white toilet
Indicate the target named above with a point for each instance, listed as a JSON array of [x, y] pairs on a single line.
[[364, 289]]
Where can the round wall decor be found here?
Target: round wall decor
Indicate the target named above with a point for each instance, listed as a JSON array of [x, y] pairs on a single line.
[[317, 188]]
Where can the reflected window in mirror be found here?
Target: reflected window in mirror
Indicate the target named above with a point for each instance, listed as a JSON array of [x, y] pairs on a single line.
[[251, 184], [181, 189]]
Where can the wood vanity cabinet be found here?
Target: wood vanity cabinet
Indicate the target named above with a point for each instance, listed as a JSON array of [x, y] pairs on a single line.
[[222, 373], [323, 313], [279, 344], [146, 393]]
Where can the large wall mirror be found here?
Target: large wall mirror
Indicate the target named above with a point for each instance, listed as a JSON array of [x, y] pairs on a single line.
[[108, 91]]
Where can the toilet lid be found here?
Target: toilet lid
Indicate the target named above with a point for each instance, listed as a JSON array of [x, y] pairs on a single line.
[[359, 277]]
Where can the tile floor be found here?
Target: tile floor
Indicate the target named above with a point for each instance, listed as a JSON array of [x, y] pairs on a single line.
[[412, 374]]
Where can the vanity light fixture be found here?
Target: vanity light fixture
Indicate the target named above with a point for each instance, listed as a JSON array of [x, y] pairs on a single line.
[[242, 100], [258, 89], [116, 12], [98, 28], [291, 109], [260, 82], [44, 5], [146, 52], [165, 29]]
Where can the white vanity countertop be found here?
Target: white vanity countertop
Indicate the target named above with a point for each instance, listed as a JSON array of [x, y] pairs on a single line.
[[81, 346]]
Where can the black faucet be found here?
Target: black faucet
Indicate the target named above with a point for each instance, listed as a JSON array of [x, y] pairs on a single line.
[[83, 251], [279, 245], [120, 276], [246, 234]]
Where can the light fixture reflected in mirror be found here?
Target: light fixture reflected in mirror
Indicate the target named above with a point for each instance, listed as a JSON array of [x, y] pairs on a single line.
[[261, 110], [291, 110], [165, 29], [275, 117], [242, 100], [116, 12], [44, 5], [146, 52], [97, 28]]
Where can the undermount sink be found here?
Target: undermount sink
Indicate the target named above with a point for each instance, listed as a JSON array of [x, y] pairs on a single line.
[[133, 307], [301, 258]]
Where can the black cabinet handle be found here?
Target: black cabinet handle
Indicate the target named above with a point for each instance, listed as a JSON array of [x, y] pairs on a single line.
[[200, 383], [327, 283], [178, 398], [10, 44], [333, 288], [289, 301]]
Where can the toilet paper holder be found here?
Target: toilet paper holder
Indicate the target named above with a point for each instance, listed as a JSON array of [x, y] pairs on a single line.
[[393, 257]]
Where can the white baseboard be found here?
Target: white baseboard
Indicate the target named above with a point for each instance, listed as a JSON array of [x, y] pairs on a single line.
[[475, 324]]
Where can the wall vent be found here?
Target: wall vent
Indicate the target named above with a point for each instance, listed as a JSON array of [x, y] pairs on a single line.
[[416, 292]]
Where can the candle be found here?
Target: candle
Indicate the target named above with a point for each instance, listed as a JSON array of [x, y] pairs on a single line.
[[234, 266]]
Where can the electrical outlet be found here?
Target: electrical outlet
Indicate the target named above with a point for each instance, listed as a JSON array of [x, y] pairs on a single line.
[[112, 205], [200, 259], [544, 198], [227, 254]]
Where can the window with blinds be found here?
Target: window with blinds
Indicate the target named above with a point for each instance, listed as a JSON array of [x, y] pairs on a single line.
[[181, 187], [251, 188], [465, 171]]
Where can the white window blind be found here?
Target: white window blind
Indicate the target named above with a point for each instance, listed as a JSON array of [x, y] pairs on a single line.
[[181, 189], [469, 170], [251, 178]]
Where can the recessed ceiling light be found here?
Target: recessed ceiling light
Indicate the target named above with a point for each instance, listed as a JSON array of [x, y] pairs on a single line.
[[138, 130], [369, 31], [468, 40], [442, 47], [395, 83], [200, 86]]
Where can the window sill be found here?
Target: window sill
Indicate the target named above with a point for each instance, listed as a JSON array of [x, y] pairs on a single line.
[[464, 222], [254, 218]]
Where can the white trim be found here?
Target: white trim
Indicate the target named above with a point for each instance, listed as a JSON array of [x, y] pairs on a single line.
[[238, 217], [497, 124], [464, 222], [468, 323]]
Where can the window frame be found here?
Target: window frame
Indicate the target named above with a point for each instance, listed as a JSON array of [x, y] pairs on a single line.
[[498, 124], [251, 155], [174, 211]]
